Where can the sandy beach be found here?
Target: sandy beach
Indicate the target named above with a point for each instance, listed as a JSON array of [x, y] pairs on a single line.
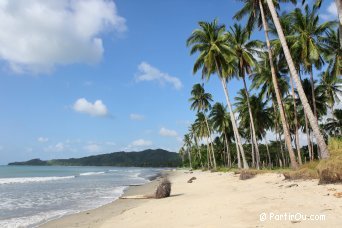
[[219, 200]]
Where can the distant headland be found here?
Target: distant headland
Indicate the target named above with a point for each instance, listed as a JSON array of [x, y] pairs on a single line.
[[146, 158]]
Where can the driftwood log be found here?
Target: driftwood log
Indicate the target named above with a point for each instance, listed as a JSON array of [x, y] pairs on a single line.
[[163, 190]]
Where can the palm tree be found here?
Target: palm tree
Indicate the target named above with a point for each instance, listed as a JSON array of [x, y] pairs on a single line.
[[331, 87], [187, 143], [263, 117], [257, 14], [308, 32], [210, 41], [222, 124], [201, 102], [334, 125], [203, 132], [332, 52], [308, 111], [243, 49], [193, 132], [320, 100]]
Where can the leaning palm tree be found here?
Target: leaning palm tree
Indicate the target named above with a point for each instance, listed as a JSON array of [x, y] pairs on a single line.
[[243, 49], [307, 35], [308, 111], [214, 57], [259, 15], [222, 124], [200, 101]]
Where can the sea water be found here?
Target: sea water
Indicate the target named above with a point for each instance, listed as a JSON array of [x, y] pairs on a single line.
[[32, 195]]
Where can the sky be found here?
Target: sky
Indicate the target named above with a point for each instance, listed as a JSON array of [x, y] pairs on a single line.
[[85, 77]]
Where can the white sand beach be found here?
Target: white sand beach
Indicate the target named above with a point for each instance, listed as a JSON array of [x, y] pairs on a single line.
[[220, 200]]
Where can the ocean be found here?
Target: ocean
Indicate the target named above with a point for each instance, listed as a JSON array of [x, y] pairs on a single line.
[[32, 195]]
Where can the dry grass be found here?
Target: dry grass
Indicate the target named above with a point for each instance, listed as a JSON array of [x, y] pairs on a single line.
[[249, 173], [307, 171], [327, 171], [330, 170]]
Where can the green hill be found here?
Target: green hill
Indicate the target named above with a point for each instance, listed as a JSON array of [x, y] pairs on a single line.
[[146, 158]]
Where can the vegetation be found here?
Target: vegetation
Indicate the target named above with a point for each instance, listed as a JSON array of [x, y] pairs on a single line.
[[295, 89], [146, 158]]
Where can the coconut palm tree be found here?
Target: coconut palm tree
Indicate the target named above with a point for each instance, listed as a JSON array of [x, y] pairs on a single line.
[[215, 57], [307, 35], [203, 133], [243, 49], [200, 101], [332, 52], [259, 15], [187, 144], [334, 125], [263, 117], [308, 111], [193, 132], [331, 87], [222, 124]]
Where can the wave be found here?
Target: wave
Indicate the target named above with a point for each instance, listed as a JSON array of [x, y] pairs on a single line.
[[22, 180], [91, 173]]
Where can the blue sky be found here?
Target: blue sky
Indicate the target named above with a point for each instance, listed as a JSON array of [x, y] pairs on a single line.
[[80, 78]]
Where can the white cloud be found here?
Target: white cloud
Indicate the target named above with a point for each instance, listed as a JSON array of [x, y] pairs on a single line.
[[167, 132], [38, 35], [136, 117], [141, 143], [332, 9], [93, 148], [59, 147], [150, 73], [331, 12], [94, 109], [42, 139]]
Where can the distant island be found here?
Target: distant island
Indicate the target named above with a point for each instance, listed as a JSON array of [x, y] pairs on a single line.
[[146, 158]]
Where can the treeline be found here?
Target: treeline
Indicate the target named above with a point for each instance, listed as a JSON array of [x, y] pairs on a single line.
[[295, 76]]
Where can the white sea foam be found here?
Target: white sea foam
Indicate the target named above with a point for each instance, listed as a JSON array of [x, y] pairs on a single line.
[[91, 173], [30, 221], [21, 180]]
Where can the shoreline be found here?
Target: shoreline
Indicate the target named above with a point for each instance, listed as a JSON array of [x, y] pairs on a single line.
[[115, 207]]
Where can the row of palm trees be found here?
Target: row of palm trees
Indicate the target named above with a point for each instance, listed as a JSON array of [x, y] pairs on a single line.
[[286, 102]]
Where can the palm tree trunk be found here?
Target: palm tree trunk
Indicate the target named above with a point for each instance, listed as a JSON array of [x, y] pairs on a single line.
[[199, 152], [308, 136], [296, 122], [282, 151], [319, 137], [235, 129], [313, 93], [212, 148], [268, 153], [189, 158], [287, 135], [208, 154], [237, 151], [253, 158], [227, 149], [252, 125]]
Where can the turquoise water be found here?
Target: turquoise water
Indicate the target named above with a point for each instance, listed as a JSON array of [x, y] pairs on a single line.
[[31, 195]]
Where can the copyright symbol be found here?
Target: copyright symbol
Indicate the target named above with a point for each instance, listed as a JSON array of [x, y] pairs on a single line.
[[262, 217]]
